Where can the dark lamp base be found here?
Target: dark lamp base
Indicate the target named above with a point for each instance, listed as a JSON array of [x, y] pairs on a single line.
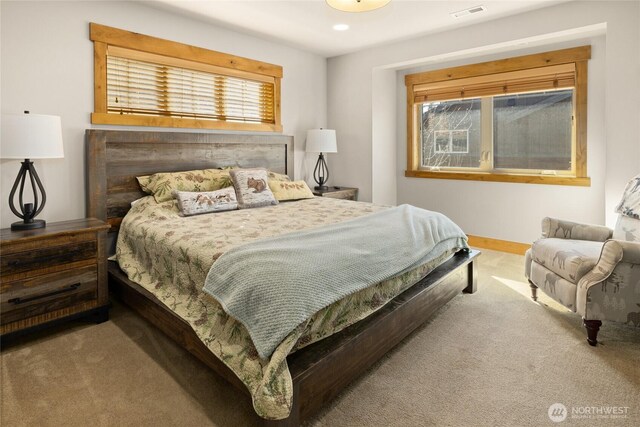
[[320, 187], [36, 223]]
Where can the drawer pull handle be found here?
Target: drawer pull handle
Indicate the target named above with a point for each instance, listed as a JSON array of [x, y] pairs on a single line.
[[59, 291]]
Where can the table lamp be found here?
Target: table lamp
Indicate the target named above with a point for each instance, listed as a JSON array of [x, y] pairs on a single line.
[[321, 141], [29, 136]]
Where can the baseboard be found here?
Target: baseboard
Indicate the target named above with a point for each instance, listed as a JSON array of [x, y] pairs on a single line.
[[498, 245]]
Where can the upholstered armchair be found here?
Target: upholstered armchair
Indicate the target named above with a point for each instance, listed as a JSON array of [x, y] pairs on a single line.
[[591, 269]]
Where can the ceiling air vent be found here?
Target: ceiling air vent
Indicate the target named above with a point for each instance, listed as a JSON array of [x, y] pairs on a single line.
[[471, 10]]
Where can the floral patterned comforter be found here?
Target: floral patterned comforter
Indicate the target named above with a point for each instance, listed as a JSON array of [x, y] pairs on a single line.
[[170, 255]]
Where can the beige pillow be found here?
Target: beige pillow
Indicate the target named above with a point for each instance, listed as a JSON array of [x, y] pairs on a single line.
[[290, 190], [144, 183], [163, 185], [275, 176], [194, 203], [270, 174], [252, 189]]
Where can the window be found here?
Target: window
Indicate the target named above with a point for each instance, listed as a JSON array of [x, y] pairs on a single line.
[[516, 120], [450, 134], [144, 81], [451, 141], [533, 131]]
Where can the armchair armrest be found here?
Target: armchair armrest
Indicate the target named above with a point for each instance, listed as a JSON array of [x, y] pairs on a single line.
[[610, 256], [616, 258], [552, 227], [613, 252]]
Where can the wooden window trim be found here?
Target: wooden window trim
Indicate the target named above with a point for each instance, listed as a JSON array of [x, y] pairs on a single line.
[[105, 38], [578, 56], [501, 177]]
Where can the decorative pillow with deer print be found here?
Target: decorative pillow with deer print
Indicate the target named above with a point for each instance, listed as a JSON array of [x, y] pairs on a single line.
[[252, 188], [194, 203]]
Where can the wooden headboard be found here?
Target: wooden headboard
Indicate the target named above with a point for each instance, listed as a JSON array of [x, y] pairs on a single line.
[[115, 158]]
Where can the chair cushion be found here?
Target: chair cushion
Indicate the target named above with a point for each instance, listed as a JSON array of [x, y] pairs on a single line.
[[554, 286], [569, 259]]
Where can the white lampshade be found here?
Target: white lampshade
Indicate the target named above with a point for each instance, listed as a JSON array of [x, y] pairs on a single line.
[[31, 136], [321, 141], [357, 5]]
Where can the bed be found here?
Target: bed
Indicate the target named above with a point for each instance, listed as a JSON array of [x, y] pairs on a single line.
[[322, 367]]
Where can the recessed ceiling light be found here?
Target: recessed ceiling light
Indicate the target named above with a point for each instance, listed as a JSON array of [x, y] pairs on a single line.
[[341, 27], [469, 11]]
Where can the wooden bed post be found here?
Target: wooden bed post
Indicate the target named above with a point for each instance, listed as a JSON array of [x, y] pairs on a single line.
[[472, 277]]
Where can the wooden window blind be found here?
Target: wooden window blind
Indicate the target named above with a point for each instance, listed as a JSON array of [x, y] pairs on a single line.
[[522, 81], [145, 81]]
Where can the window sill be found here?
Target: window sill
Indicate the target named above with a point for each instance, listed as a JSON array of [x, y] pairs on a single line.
[[499, 177]]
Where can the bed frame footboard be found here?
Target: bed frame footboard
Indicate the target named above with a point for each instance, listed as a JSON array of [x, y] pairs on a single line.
[[321, 370]]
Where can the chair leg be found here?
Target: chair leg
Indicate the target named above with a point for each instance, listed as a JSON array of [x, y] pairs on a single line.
[[534, 291], [593, 326]]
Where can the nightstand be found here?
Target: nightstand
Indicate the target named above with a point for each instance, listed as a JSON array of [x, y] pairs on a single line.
[[53, 274], [346, 193]]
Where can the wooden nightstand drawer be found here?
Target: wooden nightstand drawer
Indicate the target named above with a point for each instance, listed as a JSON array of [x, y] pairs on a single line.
[[47, 257], [21, 299]]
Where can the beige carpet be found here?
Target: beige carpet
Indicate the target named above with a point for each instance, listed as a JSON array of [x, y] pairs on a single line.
[[491, 358]]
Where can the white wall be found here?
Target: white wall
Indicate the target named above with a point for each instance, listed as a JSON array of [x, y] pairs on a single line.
[[500, 210], [46, 67], [384, 180]]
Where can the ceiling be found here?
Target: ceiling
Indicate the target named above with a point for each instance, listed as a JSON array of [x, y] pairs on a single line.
[[307, 24]]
